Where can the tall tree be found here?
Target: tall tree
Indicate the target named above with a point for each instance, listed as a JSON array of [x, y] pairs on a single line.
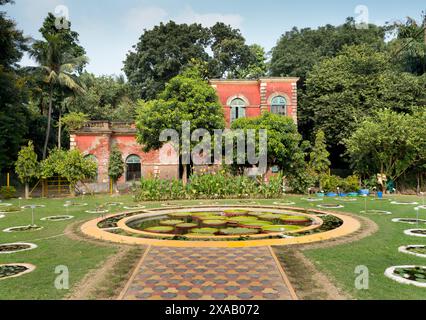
[[115, 166], [318, 158], [27, 166], [57, 68], [187, 97]]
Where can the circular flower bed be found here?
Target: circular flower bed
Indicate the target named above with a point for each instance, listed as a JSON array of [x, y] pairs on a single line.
[[14, 270], [416, 232], [10, 209], [113, 204], [404, 203], [99, 211], [35, 206], [375, 212], [134, 207], [416, 250], [57, 218], [75, 204], [9, 248], [284, 203], [238, 231], [409, 221], [160, 229], [412, 275], [312, 199], [330, 206], [23, 229], [171, 223]]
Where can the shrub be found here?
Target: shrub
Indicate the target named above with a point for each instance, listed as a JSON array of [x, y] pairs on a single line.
[[299, 182], [7, 192], [330, 183]]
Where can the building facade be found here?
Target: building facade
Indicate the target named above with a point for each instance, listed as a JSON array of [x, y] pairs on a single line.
[[240, 98]]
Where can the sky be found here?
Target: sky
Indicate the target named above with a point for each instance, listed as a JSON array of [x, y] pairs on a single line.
[[109, 28]]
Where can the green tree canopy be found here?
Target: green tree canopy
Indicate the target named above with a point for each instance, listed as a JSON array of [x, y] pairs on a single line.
[[115, 165], [318, 158], [27, 166]]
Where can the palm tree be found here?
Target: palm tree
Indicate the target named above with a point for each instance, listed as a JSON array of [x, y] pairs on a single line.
[[57, 68]]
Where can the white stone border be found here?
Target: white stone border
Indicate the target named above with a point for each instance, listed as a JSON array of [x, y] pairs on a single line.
[[399, 220], [32, 247], [391, 275], [76, 205], [100, 211], [422, 207], [5, 204], [376, 212], [64, 218], [113, 204], [134, 208], [36, 206], [2, 216], [405, 203], [312, 199], [10, 230], [30, 268], [411, 233], [404, 249], [338, 206], [285, 203], [10, 212]]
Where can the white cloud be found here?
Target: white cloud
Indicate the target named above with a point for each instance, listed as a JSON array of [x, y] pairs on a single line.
[[208, 19], [141, 18]]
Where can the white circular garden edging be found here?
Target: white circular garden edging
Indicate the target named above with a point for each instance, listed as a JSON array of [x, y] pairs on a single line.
[[375, 212], [411, 232], [409, 221], [404, 249], [134, 207], [97, 211], [113, 204], [390, 273], [330, 206], [14, 229], [2, 216], [31, 246], [30, 206], [5, 204], [312, 199], [57, 218], [422, 207], [285, 203], [76, 205], [29, 268], [405, 203]]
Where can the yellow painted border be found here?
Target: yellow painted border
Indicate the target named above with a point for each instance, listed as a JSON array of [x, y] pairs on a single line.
[[350, 225]]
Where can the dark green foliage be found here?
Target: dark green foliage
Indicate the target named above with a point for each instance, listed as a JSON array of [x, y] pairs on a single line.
[[116, 164], [7, 192]]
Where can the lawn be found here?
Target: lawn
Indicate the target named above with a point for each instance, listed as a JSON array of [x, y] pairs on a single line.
[[377, 252]]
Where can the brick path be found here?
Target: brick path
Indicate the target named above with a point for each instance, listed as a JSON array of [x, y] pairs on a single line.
[[208, 274]]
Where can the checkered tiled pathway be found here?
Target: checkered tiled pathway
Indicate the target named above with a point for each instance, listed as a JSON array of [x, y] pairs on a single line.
[[208, 274]]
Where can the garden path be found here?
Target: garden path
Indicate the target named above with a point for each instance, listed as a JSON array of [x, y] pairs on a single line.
[[166, 273]]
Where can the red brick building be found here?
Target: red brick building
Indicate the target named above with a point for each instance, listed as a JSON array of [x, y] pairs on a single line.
[[240, 98]]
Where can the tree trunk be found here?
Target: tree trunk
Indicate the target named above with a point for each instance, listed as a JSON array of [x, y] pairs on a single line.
[[27, 190], [59, 130], [49, 119], [185, 175]]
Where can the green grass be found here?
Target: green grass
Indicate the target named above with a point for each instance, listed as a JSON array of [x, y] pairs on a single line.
[[377, 252]]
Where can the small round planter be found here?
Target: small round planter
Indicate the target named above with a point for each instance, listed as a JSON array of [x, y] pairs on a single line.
[[97, 211], [14, 270], [409, 250], [76, 205], [312, 199], [10, 209], [404, 203], [185, 227], [295, 220], [330, 206], [375, 212], [57, 218], [409, 221], [163, 229], [9, 248], [23, 229], [285, 203], [136, 207], [36, 206], [416, 233], [411, 275]]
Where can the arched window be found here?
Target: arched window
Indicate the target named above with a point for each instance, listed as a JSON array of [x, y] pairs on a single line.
[[133, 168], [95, 160], [238, 109], [279, 106]]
